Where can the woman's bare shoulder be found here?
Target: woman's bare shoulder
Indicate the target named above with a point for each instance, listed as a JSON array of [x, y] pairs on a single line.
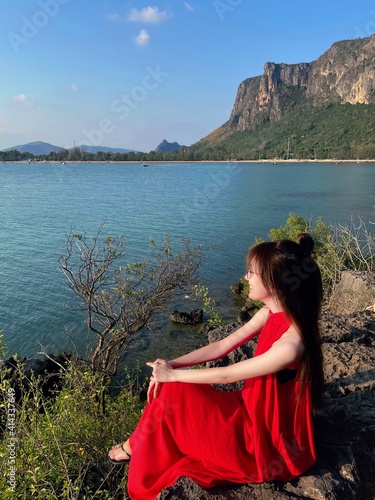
[[293, 339], [292, 335], [263, 313]]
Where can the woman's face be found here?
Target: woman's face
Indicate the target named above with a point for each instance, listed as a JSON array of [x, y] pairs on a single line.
[[257, 290]]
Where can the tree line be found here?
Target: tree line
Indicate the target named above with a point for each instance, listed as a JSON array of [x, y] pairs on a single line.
[[337, 131]]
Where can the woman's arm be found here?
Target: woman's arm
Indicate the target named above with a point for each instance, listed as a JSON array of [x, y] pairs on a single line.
[[284, 352], [221, 348]]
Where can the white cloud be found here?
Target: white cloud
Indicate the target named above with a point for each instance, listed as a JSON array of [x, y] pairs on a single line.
[[23, 99], [74, 87], [151, 15], [189, 7], [142, 38]]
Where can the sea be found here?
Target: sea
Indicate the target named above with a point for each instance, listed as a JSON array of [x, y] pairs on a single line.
[[223, 204]]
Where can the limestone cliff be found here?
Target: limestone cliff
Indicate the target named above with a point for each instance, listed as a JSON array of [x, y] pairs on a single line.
[[343, 74]]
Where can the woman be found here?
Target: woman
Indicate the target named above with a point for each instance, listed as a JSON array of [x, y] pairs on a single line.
[[263, 432]]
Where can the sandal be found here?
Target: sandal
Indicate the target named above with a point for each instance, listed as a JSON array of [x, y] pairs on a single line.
[[124, 460]]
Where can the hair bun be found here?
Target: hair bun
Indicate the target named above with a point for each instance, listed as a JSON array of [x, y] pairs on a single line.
[[306, 244]]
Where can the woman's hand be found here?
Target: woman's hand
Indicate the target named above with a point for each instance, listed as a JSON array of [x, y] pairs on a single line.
[[162, 371], [153, 390]]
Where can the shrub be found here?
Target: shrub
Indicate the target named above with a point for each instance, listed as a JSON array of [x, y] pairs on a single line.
[[62, 444], [338, 247]]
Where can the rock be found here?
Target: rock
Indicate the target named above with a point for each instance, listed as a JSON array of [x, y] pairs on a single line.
[[237, 288], [45, 371], [193, 318], [244, 315], [247, 306], [354, 292], [345, 426]]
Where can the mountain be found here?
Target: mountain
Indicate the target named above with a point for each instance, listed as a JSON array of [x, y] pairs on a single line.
[[329, 101], [166, 147], [96, 149], [43, 148], [35, 148]]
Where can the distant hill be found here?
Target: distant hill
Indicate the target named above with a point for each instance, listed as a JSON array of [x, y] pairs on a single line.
[[167, 147], [96, 149], [322, 109], [35, 148], [44, 148]]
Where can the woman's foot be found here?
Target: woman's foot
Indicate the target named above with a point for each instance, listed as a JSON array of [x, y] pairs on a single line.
[[120, 453]]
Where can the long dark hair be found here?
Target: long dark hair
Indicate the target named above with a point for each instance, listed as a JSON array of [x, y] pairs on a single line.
[[289, 271]]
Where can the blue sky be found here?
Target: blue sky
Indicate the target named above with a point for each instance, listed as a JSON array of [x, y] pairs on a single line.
[[130, 74]]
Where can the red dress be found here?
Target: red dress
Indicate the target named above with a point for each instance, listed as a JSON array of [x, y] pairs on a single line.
[[261, 433]]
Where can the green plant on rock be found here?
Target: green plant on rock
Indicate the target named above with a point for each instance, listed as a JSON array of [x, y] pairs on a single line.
[[215, 319]]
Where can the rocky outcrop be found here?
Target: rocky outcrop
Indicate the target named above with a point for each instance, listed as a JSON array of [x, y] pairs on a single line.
[[25, 374], [166, 147], [46, 371], [193, 318], [343, 74], [354, 292], [345, 427]]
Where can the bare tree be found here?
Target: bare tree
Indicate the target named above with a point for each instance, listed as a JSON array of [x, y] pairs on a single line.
[[121, 298]]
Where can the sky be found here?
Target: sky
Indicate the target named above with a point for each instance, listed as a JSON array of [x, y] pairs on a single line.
[[130, 74]]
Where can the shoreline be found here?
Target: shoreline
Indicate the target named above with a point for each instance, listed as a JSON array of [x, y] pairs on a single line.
[[273, 162]]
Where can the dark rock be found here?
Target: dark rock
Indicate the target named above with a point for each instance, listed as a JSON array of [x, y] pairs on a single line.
[[193, 318], [244, 316], [46, 372], [237, 288]]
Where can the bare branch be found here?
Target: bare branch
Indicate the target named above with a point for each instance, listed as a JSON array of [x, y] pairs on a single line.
[[122, 298]]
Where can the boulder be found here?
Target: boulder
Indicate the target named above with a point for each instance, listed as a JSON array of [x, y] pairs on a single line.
[[345, 426], [45, 371], [238, 289], [354, 292], [193, 318]]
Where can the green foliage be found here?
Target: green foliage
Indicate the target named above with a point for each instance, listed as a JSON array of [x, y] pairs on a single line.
[[337, 131], [215, 319], [296, 224], [62, 444], [338, 247], [2, 345]]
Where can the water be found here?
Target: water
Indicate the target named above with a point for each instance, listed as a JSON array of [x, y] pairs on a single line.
[[222, 203]]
